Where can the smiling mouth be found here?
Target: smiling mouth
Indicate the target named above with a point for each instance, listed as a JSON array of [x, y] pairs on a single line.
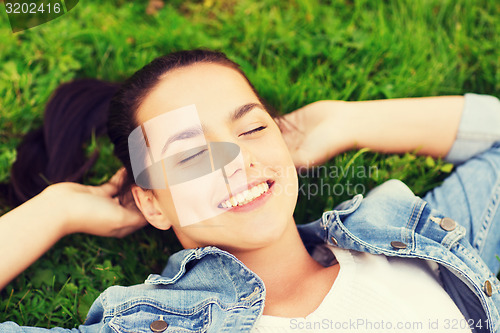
[[247, 196]]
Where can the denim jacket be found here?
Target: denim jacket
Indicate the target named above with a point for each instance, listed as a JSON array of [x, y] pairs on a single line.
[[457, 226]]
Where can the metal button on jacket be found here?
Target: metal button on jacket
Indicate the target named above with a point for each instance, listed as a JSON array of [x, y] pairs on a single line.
[[488, 289], [448, 224], [334, 241], [158, 326], [398, 245]]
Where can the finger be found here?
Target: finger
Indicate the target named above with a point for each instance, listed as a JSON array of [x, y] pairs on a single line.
[[290, 122], [118, 177], [112, 186]]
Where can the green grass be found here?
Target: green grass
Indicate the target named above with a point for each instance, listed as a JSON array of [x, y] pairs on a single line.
[[294, 52]]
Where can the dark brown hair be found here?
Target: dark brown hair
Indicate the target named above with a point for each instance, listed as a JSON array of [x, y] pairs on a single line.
[[54, 152]]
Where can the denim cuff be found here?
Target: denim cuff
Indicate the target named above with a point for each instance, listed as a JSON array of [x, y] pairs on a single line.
[[479, 128]]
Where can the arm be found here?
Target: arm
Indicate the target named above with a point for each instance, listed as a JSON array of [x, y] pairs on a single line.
[[399, 125], [320, 130], [31, 229], [26, 233]]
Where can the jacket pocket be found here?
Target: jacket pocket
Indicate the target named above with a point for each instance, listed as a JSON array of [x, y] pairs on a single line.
[[138, 316]]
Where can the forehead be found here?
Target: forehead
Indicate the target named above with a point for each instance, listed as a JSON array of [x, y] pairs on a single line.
[[213, 88]]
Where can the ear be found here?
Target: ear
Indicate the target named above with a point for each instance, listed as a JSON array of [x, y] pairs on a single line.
[[148, 204]]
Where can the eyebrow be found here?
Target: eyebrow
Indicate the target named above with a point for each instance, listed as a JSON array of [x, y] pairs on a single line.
[[194, 131], [244, 109], [183, 135]]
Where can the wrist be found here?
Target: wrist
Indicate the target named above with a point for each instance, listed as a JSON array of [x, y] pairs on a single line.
[[352, 121], [51, 204], [340, 115]]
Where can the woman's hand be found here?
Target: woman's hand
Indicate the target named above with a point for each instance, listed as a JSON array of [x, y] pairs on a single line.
[[95, 209], [29, 230], [316, 132]]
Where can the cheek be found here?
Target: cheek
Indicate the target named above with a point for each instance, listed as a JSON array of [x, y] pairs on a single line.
[[278, 157], [193, 201], [196, 200], [279, 165]]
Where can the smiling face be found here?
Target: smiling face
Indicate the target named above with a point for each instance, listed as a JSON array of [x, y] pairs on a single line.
[[261, 180]]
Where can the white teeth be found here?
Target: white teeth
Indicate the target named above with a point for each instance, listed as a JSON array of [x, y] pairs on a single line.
[[258, 189], [246, 196]]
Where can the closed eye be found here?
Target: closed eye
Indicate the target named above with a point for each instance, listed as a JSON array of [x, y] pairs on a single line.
[[258, 129], [192, 157]]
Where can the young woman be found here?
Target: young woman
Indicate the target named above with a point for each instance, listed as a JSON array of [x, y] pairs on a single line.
[[390, 261]]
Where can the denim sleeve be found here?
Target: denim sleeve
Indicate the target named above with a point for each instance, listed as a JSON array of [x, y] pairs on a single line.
[[479, 128], [471, 196]]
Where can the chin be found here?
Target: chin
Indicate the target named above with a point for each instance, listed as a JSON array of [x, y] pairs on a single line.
[[266, 232]]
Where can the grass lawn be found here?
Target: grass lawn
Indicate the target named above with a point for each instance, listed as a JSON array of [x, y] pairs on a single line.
[[295, 52]]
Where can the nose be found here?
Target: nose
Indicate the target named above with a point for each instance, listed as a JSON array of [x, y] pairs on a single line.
[[239, 163]]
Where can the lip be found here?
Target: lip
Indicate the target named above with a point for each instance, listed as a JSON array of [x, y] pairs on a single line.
[[257, 202]]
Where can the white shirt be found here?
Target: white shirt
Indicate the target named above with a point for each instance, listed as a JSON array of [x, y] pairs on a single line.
[[375, 293]]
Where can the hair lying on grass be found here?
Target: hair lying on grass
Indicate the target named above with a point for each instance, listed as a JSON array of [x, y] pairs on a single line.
[[81, 108], [54, 152]]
